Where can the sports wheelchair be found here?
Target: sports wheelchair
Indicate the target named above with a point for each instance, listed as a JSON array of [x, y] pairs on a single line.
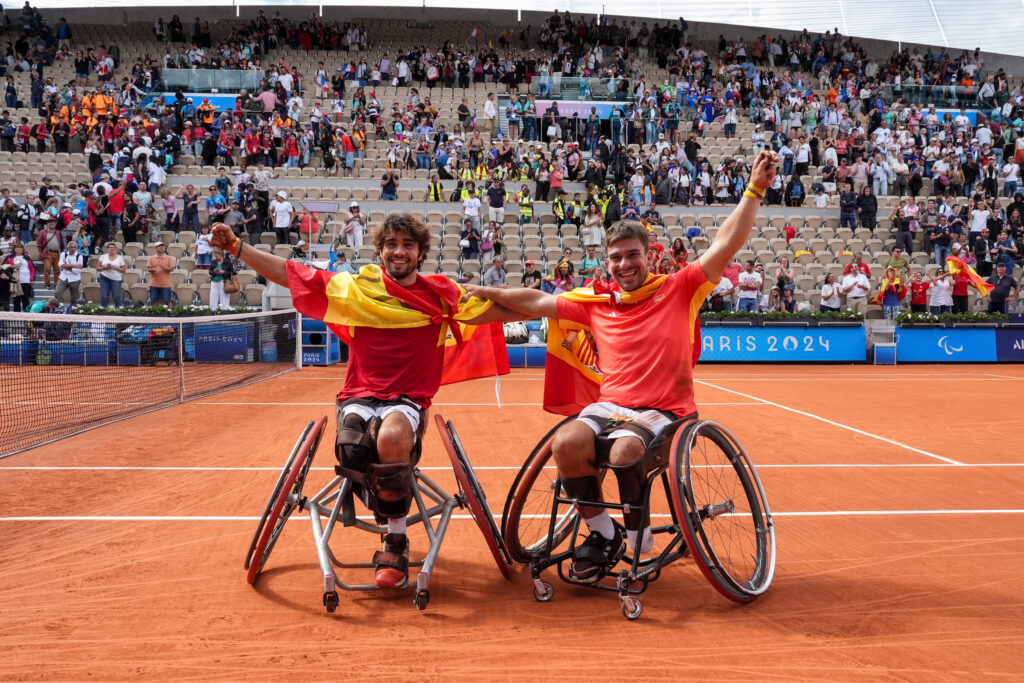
[[717, 511], [328, 506]]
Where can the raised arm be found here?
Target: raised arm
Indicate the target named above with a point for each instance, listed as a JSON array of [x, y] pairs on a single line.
[[736, 229], [528, 303], [268, 265]]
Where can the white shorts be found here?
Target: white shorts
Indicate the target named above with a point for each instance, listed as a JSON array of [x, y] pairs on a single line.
[[597, 414], [496, 215], [367, 412]]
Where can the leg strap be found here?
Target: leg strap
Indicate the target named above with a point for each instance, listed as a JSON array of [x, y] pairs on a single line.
[[584, 489], [395, 480], [632, 480]]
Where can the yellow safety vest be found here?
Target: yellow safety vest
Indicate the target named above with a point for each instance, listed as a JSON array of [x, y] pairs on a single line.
[[525, 205]]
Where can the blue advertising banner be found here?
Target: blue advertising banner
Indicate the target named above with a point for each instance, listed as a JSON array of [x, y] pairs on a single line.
[[1010, 345], [783, 344], [945, 345]]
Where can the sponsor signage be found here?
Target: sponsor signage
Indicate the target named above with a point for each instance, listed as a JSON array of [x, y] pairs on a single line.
[[1010, 345], [946, 345], [783, 344]]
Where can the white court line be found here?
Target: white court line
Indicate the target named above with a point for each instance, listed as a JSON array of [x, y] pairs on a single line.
[[834, 423], [1004, 376], [493, 405], [225, 518], [480, 468]]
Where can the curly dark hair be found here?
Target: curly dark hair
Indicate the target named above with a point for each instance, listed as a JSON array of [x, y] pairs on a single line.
[[408, 223]]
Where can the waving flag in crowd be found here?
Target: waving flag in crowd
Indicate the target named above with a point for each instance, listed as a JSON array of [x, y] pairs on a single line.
[[956, 266]]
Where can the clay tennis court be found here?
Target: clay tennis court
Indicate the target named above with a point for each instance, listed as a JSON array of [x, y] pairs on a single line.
[[898, 496]]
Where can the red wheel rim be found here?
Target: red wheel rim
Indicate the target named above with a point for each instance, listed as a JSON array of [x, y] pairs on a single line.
[[474, 498], [257, 560]]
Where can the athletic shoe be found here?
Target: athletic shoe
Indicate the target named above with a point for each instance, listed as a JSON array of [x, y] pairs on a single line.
[[592, 559], [392, 563]]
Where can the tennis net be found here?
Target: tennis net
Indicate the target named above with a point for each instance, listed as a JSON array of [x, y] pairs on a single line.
[[63, 374]]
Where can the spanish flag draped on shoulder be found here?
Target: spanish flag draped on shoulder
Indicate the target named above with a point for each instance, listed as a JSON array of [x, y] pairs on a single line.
[[956, 265], [572, 373], [347, 302], [901, 290]]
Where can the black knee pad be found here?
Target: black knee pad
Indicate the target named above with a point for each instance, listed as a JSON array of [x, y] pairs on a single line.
[[356, 446], [583, 488], [396, 481]]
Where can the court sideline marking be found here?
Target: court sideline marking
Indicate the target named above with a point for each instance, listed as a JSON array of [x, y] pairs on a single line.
[[481, 468], [246, 518], [833, 423]]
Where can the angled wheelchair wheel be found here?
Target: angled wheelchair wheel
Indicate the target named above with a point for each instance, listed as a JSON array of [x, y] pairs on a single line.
[[526, 519], [723, 511], [473, 495], [284, 499]]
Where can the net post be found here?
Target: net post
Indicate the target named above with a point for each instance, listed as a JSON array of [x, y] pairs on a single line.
[[181, 362], [298, 340]]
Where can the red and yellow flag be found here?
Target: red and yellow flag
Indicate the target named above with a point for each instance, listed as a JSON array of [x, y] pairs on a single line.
[[955, 265], [901, 290], [369, 298], [572, 370]]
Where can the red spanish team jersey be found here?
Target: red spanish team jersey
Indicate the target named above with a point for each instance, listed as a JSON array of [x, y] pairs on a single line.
[[645, 349], [382, 363]]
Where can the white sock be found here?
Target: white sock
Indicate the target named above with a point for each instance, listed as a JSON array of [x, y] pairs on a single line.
[[648, 542], [602, 524], [396, 526]]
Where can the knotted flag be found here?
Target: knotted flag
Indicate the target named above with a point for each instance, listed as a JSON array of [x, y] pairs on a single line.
[[369, 298]]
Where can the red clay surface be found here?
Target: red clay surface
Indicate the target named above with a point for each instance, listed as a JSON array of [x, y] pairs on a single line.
[[861, 591]]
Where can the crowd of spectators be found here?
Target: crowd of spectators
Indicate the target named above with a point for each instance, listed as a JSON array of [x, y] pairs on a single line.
[[867, 135]]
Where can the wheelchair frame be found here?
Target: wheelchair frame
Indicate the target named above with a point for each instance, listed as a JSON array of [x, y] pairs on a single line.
[[687, 521], [325, 508]]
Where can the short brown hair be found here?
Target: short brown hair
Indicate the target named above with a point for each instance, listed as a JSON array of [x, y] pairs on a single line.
[[624, 230], [408, 223]]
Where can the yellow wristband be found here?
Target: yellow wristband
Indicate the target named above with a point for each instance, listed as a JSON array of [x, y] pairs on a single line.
[[755, 189], [752, 195], [236, 247]]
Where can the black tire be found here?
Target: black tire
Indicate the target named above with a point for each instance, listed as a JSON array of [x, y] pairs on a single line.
[[284, 499], [723, 511], [526, 517]]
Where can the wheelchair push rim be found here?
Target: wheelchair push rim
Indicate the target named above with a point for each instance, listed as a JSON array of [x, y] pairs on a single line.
[[474, 497], [723, 510], [285, 498], [525, 523]]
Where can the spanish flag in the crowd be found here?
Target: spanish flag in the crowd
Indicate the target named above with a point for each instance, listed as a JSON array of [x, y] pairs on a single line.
[[803, 252], [901, 290], [955, 265], [572, 372], [347, 302]]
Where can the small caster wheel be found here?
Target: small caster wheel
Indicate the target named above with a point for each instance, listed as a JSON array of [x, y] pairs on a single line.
[[632, 608], [421, 598], [542, 590], [331, 601]]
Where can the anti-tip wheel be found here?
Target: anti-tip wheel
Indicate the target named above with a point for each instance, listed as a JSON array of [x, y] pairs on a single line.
[[543, 591], [421, 599], [331, 601], [632, 608]]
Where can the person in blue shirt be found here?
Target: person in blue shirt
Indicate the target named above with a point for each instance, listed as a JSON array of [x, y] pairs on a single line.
[[341, 264]]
